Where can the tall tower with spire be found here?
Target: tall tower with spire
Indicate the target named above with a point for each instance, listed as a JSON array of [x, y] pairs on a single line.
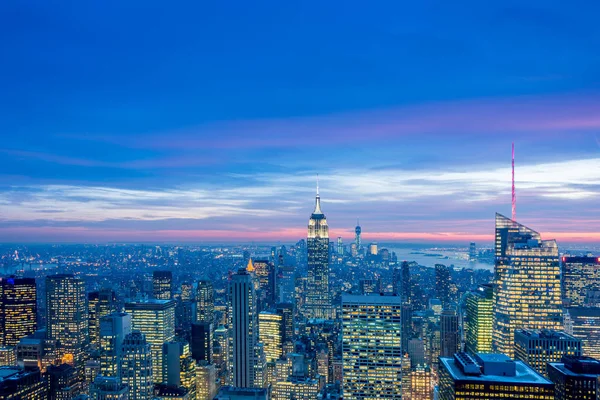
[[357, 232], [318, 295]]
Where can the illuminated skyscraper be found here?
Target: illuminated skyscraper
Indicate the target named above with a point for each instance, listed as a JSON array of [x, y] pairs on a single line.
[[296, 388], [371, 347], [478, 322], [357, 232], [318, 296], [490, 376], [340, 246], [206, 377], [581, 281], [243, 329], [538, 348], [265, 273], [421, 387], [402, 287], [527, 283], [136, 366], [442, 284], [575, 378], [270, 333], [113, 329], [162, 283], [156, 320], [66, 316], [100, 303], [18, 309], [205, 301], [584, 324]]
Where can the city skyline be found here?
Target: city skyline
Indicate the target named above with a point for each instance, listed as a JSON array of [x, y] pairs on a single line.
[[213, 126]]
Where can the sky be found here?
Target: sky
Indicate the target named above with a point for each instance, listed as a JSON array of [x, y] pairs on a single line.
[[209, 121]]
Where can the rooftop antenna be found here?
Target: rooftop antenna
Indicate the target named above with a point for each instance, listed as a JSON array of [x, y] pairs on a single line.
[[514, 195], [317, 184]]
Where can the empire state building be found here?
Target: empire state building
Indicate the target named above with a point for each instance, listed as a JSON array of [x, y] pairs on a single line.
[[318, 297]]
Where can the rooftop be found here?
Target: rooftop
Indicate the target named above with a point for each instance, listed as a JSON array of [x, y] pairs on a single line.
[[543, 334], [524, 374], [374, 298]]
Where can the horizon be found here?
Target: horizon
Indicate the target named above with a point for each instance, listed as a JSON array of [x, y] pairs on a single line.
[[213, 124]]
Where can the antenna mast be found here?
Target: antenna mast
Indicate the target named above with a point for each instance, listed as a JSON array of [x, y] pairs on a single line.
[[514, 195]]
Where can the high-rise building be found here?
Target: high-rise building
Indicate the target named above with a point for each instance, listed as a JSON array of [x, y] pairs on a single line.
[[318, 296], [270, 333], [243, 329], [162, 284], [206, 377], [407, 333], [575, 378], [286, 310], [421, 384], [285, 283], [62, 382], [221, 358], [373, 249], [113, 329], [401, 278], [156, 320], [478, 322], [442, 284], [202, 342], [266, 275], [581, 281], [537, 348], [357, 233], [136, 366], [66, 316], [449, 335], [205, 301], [18, 309], [527, 283], [187, 291], [490, 376], [108, 388], [584, 324], [371, 347], [296, 388], [19, 384], [8, 357], [100, 303], [340, 246], [472, 252]]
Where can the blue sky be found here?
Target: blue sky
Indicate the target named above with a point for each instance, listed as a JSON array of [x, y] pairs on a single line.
[[138, 121]]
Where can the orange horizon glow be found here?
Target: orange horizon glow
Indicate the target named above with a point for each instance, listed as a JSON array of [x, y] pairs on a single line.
[[84, 234]]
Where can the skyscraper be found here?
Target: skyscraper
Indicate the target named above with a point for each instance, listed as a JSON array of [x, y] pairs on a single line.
[[478, 322], [18, 309], [162, 283], [357, 232], [575, 378], [490, 376], [136, 366], [371, 347], [202, 342], [442, 284], [108, 388], [527, 283], [318, 296], [265, 273], [100, 303], [243, 329], [205, 301], [581, 281], [66, 316], [270, 332], [449, 335], [113, 329], [538, 348], [584, 324], [156, 320], [402, 287]]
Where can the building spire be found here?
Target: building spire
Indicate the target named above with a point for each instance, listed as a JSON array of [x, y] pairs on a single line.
[[318, 200], [514, 194]]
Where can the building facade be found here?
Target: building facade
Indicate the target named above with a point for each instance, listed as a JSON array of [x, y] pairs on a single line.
[[18, 309], [371, 347], [318, 296], [537, 348], [581, 281], [575, 378], [479, 320], [136, 366], [527, 283]]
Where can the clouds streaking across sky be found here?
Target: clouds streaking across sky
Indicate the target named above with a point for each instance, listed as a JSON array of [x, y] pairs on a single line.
[[211, 122]]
